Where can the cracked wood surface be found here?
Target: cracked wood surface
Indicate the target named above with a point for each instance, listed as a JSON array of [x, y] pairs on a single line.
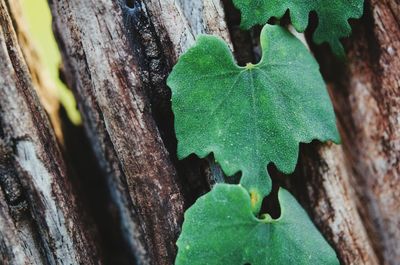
[[326, 190], [112, 88], [119, 125], [117, 55], [366, 95], [40, 222], [174, 28], [171, 29]]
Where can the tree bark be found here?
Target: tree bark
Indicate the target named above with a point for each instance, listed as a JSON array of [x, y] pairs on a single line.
[[366, 92], [166, 35], [113, 90], [117, 56], [323, 184], [40, 220], [101, 70]]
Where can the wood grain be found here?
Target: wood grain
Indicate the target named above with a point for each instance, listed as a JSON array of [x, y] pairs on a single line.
[[366, 92], [41, 221]]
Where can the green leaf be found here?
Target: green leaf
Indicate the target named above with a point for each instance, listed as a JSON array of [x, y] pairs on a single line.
[[333, 16], [221, 229], [250, 116]]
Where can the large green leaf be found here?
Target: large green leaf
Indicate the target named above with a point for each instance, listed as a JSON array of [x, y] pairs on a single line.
[[221, 229], [333, 16], [250, 116]]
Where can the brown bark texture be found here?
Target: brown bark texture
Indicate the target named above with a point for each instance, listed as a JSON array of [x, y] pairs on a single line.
[[40, 220], [117, 55], [366, 94]]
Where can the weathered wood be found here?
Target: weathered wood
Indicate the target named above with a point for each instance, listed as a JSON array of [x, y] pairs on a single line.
[[117, 117], [40, 221], [117, 58], [19, 241], [325, 188], [173, 27], [341, 223], [366, 93], [112, 89]]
